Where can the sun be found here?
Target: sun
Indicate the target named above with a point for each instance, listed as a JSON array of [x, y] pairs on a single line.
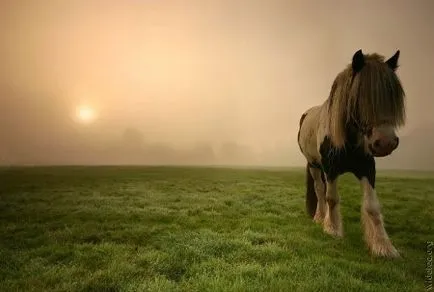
[[85, 114]]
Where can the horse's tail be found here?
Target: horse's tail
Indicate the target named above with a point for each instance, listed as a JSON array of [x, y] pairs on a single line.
[[311, 199]]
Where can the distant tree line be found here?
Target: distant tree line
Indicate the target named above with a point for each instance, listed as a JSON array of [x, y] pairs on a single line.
[[131, 147]]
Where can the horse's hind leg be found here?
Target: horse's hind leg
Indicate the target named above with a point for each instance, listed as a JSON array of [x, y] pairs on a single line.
[[332, 220], [319, 185], [375, 235]]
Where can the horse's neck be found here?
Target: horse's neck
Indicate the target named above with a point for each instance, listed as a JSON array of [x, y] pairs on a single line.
[[354, 138]]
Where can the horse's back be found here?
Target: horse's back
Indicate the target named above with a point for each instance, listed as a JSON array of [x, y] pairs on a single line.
[[308, 134]]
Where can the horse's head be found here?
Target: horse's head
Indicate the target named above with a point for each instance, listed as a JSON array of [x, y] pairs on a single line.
[[372, 100], [380, 138]]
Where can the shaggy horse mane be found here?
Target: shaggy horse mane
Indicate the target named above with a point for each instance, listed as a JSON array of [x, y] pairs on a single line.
[[367, 98]]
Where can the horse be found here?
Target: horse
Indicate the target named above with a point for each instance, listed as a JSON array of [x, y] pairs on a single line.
[[345, 134]]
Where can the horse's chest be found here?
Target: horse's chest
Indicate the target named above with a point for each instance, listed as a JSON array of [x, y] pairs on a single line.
[[339, 161]]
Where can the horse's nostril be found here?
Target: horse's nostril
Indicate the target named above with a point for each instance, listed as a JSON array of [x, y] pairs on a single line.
[[377, 143], [396, 141]]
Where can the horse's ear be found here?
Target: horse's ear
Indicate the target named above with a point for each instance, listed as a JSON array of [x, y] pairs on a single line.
[[358, 61], [393, 61]]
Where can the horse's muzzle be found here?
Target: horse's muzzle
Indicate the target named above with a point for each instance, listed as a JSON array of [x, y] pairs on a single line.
[[381, 148]]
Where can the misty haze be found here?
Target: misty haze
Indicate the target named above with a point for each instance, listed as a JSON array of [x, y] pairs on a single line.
[[196, 82]]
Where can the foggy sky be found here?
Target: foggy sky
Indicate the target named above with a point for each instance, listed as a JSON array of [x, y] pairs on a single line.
[[208, 81]]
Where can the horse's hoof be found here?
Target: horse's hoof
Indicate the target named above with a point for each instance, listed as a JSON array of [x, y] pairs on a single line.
[[332, 230], [318, 218], [385, 250]]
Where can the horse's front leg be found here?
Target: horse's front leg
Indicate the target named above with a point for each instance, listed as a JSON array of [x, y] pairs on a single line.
[[320, 194], [332, 220], [375, 234]]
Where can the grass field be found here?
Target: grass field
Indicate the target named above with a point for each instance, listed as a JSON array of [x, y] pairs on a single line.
[[200, 229]]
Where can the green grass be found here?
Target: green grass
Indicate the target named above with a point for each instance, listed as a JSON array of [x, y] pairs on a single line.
[[200, 229]]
